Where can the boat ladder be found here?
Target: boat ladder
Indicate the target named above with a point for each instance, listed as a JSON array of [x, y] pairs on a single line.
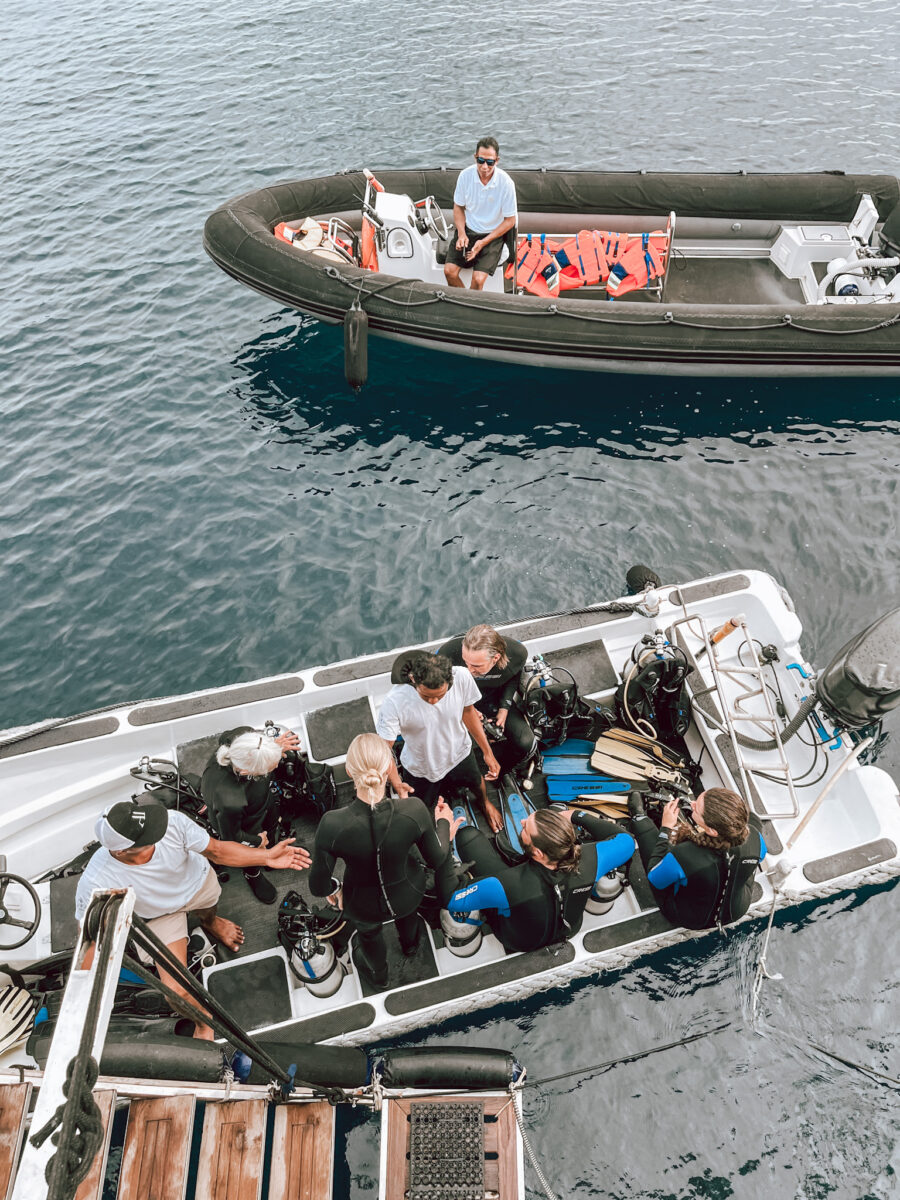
[[750, 684]]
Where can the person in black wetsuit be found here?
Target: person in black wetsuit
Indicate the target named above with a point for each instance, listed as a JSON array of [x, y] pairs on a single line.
[[543, 900], [496, 664], [701, 873], [375, 836], [235, 788]]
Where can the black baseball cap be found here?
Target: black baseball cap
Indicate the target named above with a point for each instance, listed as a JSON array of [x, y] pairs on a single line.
[[133, 823]]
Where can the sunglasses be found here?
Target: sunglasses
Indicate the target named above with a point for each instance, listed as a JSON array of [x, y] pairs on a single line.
[[484, 162]]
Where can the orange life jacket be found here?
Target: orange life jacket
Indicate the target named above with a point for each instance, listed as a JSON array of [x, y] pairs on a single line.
[[368, 249], [583, 260], [643, 260], [537, 270]]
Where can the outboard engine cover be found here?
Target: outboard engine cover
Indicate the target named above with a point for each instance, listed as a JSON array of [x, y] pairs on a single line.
[[862, 681]]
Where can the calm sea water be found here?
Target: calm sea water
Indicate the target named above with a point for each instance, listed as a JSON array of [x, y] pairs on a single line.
[[191, 497]]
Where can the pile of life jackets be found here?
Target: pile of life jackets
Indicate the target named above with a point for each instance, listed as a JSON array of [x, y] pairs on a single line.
[[622, 262]]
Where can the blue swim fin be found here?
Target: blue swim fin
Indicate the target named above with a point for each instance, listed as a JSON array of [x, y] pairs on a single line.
[[560, 767], [572, 748], [569, 786], [514, 809]]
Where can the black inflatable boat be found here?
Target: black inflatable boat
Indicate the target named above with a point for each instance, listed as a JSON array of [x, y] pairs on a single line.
[[791, 274]]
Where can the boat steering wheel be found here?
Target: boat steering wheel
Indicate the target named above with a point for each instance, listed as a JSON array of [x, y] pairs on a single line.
[[6, 918], [435, 219]]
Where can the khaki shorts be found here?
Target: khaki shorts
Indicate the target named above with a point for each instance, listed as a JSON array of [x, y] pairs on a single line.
[[172, 927]]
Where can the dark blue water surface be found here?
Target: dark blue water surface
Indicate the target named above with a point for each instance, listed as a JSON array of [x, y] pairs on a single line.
[[191, 497]]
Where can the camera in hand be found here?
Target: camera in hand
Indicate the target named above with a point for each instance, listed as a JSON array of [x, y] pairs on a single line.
[[655, 802], [494, 731]]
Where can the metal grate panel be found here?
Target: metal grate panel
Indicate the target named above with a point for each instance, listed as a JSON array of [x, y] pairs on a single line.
[[446, 1151]]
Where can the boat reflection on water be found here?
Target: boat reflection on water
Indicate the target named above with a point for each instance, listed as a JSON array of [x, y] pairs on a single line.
[[287, 376]]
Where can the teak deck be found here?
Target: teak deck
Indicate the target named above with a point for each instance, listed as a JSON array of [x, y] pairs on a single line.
[[302, 1152], [14, 1098]]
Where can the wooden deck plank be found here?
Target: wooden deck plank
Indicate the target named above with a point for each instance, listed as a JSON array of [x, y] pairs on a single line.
[[157, 1149], [302, 1152], [91, 1187], [14, 1098], [500, 1173], [231, 1151]]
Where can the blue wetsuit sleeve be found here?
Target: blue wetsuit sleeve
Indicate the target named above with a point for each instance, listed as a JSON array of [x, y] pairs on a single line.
[[484, 893], [762, 848], [614, 852], [667, 873]]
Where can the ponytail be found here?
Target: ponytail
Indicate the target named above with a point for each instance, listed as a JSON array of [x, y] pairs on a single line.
[[555, 838]]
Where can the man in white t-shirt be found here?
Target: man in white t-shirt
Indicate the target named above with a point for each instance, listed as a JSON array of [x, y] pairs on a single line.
[[484, 211], [165, 857], [434, 712]]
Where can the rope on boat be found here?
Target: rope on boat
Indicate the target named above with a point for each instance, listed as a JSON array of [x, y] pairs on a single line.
[[628, 1058], [553, 310], [542, 1178]]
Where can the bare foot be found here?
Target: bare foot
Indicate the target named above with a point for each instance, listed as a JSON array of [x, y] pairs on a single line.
[[230, 935], [205, 1033]]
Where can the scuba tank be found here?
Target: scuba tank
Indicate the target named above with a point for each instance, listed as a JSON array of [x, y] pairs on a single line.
[[306, 937], [605, 893], [463, 936]]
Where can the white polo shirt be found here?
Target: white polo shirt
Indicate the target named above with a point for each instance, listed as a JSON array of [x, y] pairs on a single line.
[[172, 877], [486, 204], [434, 737]]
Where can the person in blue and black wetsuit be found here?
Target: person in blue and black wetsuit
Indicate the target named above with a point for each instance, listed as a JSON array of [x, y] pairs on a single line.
[[701, 871], [542, 900]]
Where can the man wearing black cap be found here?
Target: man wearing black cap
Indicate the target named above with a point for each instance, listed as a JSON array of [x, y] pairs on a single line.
[[163, 855]]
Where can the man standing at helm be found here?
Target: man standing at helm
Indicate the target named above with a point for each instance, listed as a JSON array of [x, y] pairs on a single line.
[[484, 211]]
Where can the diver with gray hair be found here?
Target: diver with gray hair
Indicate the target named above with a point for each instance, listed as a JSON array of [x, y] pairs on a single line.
[[236, 789]]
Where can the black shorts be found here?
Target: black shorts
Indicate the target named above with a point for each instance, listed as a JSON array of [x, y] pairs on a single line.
[[464, 774], [486, 261]]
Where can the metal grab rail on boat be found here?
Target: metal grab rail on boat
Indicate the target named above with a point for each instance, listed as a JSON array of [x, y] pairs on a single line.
[[769, 723]]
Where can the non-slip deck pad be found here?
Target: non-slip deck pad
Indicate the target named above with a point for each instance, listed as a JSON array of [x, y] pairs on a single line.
[[63, 926], [401, 970], [255, 993], [589, 663], [331, 730]]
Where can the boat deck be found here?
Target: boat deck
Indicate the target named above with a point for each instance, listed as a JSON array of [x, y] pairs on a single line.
[[166, 1146]]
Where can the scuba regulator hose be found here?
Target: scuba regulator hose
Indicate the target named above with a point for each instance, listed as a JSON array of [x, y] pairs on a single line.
[[794, 725]]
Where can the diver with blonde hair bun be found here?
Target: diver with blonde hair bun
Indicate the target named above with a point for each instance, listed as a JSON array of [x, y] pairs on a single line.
[[375, 835]]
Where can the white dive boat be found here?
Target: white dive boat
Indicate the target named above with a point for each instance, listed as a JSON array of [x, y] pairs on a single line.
[[761, 721]]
